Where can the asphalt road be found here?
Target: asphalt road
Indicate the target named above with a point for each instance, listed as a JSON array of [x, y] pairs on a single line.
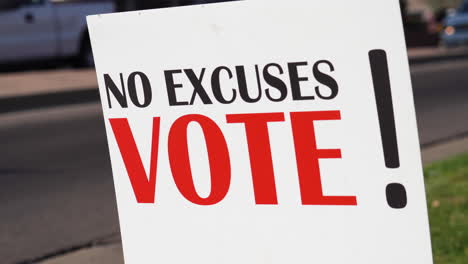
[[441, 98], [56, 184]]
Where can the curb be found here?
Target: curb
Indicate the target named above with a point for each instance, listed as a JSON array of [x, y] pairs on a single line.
[[98, 247], [438, 58], [108, 254], [444, 148], [34, 101]]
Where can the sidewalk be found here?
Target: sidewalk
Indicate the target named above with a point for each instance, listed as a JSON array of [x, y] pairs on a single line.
[[45, 82], [111, 254], [434, 54], [44, 88], [32, 90], [106, 251]]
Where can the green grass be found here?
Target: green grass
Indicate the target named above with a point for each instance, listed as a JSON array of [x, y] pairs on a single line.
[[447, 191]]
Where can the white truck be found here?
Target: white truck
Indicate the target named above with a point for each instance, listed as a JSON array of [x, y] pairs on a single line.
[[47, 29]]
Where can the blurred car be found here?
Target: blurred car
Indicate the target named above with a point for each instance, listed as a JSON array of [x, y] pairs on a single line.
[[455, 31], [47, 29], [421, 28]]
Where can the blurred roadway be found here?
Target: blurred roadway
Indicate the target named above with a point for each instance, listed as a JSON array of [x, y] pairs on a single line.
[[57, 190], [56, 184], [441, 98]]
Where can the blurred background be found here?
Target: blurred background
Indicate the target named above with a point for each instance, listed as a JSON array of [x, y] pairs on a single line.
[[57, 201]]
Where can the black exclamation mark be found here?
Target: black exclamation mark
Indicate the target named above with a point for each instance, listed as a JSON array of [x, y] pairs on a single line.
[[396, 193]]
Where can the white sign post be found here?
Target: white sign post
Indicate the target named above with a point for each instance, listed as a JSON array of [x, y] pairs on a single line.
[[263, 132]]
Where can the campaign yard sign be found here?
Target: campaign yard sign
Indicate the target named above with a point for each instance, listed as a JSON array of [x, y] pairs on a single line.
[[263, 132]]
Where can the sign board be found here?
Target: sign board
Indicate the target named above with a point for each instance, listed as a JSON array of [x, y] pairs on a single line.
[[263, 132]]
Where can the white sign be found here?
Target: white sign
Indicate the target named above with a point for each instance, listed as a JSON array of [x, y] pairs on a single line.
[[263, 132]]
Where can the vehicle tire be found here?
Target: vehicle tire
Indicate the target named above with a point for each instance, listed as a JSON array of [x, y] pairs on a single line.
[[85, 58]]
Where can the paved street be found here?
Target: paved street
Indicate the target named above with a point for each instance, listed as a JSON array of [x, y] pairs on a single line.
[[441, 97], [57, 190]]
